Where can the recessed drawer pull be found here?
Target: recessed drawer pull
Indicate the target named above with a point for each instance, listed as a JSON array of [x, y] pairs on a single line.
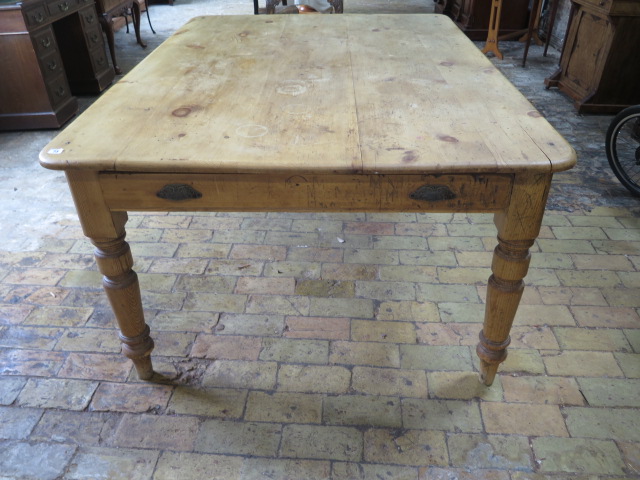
[[38, 17], [178, 192], [45, 42], [432, 193], [64, 6], [52, 65], [61, 91], [89, 18], [94, 38]]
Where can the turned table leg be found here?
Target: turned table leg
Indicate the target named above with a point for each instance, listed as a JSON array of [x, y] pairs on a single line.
[[106, 231], [120, 282], [518, 228]]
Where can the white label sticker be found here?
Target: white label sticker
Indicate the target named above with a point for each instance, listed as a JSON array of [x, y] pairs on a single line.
[[55, 151]]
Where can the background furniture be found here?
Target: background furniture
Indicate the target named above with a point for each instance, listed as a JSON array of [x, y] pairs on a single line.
[[472, 16], [48, 50], [271, 5], [107, 9], [600, 63]]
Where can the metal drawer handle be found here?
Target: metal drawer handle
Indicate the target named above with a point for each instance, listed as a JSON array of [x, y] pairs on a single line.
[[45, 42], [178, 192], [60, 91], [64, 6], [100, 61], [432, 193], [52, 65], [89, 18], [38, 17], [94, 38]]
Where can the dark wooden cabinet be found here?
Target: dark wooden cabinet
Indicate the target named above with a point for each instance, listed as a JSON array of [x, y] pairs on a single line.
[[600, 62], [472, 16], [49, 50]]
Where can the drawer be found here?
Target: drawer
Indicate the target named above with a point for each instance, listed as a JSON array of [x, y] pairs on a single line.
[[98, 59], [51, 65], [614, 7], [44, 42], [88, 17], [93, 35], [37, 16], [60, 8], [59, 90], [307, 193]]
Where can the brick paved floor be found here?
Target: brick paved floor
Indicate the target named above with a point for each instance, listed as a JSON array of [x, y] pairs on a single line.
[[335, 346]]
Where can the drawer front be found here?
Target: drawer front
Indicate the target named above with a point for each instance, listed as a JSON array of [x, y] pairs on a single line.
[[60, 8], [88, 17], [51, 65], [45, 42], [36, 17], [93, 36], [59, 90], [307, 193], [99, 59], [613, 7]]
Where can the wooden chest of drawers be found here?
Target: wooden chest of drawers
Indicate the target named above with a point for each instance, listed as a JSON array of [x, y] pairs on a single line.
[[600, 63], [49, 50]]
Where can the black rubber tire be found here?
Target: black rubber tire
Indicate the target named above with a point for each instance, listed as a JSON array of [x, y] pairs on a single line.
[[626, 168]]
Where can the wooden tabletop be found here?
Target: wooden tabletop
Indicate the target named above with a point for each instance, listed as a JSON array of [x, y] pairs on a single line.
[[312, 94]]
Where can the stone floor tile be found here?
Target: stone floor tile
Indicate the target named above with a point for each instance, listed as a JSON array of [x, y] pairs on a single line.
[[519, 361], [578, 455], [408, 311], [371, 471], [324, 328], [428, 257], [540, 337], [258, 252], [621, 297], [607, 317], [619, 263], [234, 267], [115, 464], [572, 296], [89, 340], [313, 379], [539, 389], [374, 411], [195, 466], [437, 473], [315, 254], [295, 350], [631, 456], [241, 374], [369, 228], [57, 393], [370, 256], [610, 392], [211, 302], [42, 338], [523, 419], [350, 271], [435, 357], [10, 387], [90, 366], [634, 338], [389, 381], [544, 315], [58, 316], [134, 398], [80, 428], [447, 334], [227, 347], [265, 285], [325, 288], [207, 402], [385, 290], [426, 292], [463, 386], [581, 364], [30, 362], [17, 423], [620, 424], [629, 363], [407, 273], [196, 322], [279, 305], [34, 276], [565, 246], [293, 269], [479, 451], [447, 415], [321, 442], [262, 468], [340, 307], [283, 407], [189, 236], [381, 331], [406, 447], [238, 438], [601, 339], [36, 461], [365, 353], [14, 314], [156, 432], [553, 476], [461, 312], [242, 324], [173, 344]]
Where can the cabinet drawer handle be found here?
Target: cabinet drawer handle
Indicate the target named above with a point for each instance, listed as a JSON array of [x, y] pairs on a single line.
[[38, 17], [64, 6], [52, 65], [432, 193], [178, 192], [100, 61], [89, 18], [94, 38], [60, 91], [45, 42]]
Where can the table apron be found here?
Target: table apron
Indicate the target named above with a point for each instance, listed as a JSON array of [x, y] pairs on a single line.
[[306, 192]]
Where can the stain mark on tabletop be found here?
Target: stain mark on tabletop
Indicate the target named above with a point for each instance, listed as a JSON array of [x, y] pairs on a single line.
[[195, 46], [534, 114], [409, 156], [448, 138]]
